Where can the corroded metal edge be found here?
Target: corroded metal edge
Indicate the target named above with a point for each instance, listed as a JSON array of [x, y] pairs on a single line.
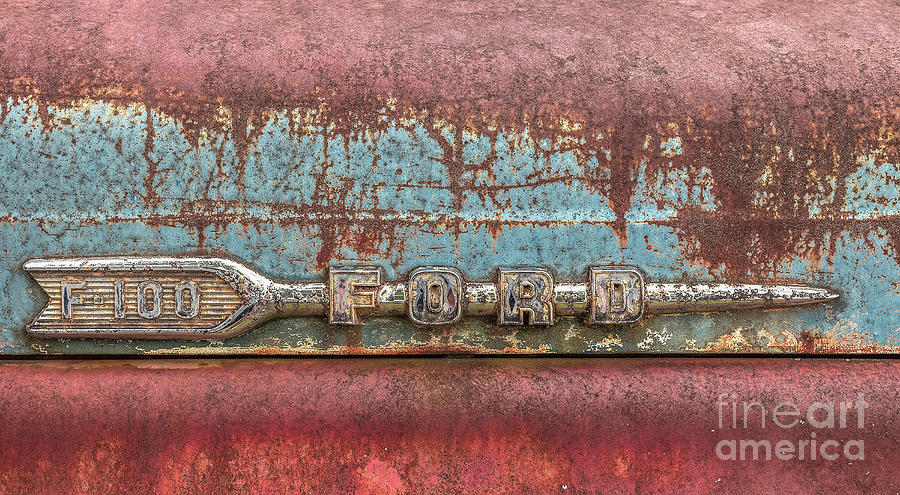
[[429, 425]]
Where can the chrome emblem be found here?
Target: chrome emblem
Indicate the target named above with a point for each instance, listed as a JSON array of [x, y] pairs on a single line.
[[214, 298]]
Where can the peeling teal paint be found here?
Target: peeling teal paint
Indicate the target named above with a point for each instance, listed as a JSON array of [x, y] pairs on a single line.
[[874, 189], [78, 185]]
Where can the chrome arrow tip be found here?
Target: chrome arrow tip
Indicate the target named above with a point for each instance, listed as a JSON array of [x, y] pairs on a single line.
[[684, 298], [810, 295], [830, 295]]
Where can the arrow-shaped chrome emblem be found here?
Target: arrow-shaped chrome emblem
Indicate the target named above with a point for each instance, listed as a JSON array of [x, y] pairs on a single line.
[[214, 298]]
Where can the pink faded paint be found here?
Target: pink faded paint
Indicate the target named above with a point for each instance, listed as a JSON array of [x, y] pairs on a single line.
[[603, 59], [427, 425]]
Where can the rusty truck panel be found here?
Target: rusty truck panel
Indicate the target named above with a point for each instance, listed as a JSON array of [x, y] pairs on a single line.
[[702, 142]]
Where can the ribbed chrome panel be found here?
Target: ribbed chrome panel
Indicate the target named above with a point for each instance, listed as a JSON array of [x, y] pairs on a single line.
[[95, 306]]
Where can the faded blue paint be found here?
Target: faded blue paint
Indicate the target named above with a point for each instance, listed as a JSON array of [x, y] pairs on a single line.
[[671, 146], [660, 197], [874, 189], [77, 187]]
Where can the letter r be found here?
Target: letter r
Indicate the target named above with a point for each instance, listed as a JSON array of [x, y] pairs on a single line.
[[524, 293]]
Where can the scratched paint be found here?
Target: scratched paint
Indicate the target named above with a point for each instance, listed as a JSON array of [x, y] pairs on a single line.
[[471, 136]]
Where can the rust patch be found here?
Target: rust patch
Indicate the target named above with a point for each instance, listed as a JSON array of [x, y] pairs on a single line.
[[751, 104]]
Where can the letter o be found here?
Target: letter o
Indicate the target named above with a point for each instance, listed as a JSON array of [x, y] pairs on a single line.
[[436, 295]]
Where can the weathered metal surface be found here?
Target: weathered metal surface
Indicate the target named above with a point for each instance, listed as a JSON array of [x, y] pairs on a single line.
[[702, 142], [214, 298], [438, 426]]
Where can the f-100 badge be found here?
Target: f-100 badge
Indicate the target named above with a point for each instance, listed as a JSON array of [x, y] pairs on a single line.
[[214, 298]]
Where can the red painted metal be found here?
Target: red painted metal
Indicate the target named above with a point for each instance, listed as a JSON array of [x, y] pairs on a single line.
[[427, 425]]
